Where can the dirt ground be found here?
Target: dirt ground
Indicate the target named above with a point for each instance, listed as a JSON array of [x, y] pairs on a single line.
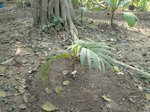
[[23, 49]]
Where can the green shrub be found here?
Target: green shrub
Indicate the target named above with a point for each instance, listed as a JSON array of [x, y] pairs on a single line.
[[114, 5], [23, 3], [56, 23]]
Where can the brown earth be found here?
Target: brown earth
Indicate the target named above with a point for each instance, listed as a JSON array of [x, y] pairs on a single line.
[[24, 48], [86, 91]]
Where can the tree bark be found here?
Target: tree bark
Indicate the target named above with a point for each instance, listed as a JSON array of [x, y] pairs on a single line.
[[44, 10], [35, 15], [71, 9], [56, 8]]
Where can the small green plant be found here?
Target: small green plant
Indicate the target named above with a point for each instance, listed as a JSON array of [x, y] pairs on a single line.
[[114, 5], [28, 3], [56, 23], [98, 56], [82, 10], [23, 3], [143, 5]]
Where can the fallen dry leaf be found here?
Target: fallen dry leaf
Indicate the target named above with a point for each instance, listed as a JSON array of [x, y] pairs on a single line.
[[74, 72], [116, 69], [131, 100], [2, 70], [59, 90], [2, 94], [47, 90], [148, 96], [49, 107], [120, 73], [18, 51], [7, 61], [18, 64], [147, 107], [22, 89], [106, 98], [22, 106], [25, 99], [21, 80], [140, 88], [65, 72], [65, 83]]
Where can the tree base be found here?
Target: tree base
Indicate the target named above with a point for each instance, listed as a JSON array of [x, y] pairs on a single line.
[[43, 10]]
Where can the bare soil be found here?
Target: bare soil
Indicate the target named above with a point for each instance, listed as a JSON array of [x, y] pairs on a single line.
[[86, 90], [23, 49]]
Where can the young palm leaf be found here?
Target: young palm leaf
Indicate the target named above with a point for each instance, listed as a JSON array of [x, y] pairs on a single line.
[[130, 18], [125, 3], [111, 3], [114, 5], [51, 59], [98, 55]]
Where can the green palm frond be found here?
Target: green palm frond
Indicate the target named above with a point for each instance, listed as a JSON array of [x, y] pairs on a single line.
[[82, 54], [130, 18], [98, 55], [50, 60], [110, 3], [125, 3], [114, 4]]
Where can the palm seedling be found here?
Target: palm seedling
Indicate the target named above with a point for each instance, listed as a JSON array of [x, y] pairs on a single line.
[[98, 56], [56, 23], [83, 8], [114, 5]]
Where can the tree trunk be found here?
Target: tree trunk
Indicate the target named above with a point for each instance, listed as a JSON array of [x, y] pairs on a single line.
[[35, 15], [44, 10], [112, 18]]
